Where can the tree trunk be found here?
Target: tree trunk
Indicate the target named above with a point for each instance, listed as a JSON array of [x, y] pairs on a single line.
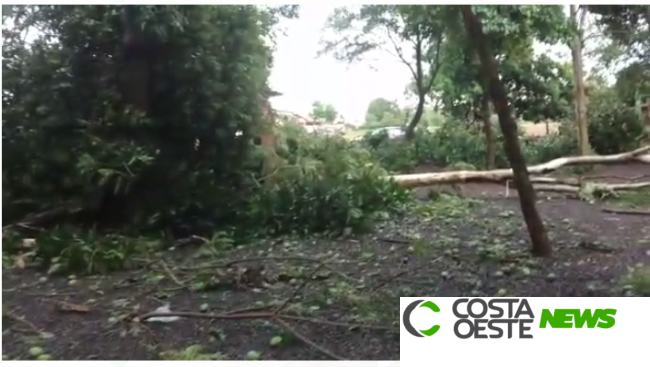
[[134, 83], [135, 73], [490, 139], [580, 98], [540, 243], [417, 116]]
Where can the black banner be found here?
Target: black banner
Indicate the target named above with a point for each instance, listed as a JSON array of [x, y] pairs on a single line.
[[429, 322]]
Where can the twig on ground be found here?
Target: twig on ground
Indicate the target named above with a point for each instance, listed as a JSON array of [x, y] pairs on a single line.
[[394, 240], [275, 316], [336, 323], [170, 274], [200, 315], [23, 321], [626, 211], [248, 309]]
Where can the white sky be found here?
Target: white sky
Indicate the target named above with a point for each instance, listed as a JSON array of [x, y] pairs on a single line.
[[303, 78]]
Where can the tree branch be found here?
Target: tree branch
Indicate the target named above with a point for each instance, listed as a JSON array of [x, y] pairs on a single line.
[[435, 66], [400, 55]]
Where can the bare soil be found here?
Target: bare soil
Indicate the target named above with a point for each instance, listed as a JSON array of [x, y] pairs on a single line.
[[348, 308]]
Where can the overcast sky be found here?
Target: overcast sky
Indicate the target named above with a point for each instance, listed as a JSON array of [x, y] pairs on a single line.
[[303, 78]]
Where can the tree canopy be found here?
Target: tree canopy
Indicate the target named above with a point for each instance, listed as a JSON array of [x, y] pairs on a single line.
[[382, 112], [628, 25], [323, 112], [110, 106]]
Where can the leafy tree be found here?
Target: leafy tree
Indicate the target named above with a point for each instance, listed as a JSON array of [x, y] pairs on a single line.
[[633, 82], [580, 97], [531, 82], [539, 89], [382, 112], [323, 112], [111, 106], [413, 34], [628, 25]]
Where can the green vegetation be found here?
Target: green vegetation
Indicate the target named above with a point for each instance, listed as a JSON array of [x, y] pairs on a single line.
[[134, 142], [94, 162], [99, 155], [322, 112]]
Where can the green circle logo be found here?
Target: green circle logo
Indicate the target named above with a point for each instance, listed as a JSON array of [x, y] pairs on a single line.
[[433, 307]]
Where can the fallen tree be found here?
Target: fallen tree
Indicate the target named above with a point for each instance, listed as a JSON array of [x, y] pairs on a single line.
[[503, 175]]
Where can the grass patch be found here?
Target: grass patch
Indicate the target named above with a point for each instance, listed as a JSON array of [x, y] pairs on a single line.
[[639, 199], [638, 281]]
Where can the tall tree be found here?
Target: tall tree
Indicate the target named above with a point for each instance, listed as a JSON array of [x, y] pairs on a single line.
[[628, 26], [527, 198], [580, 97], [412, 34]]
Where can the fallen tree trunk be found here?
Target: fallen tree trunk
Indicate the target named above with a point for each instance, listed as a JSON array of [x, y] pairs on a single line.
[[501, 175]]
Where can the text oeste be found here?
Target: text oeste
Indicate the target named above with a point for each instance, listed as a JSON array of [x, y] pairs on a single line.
[[473, 313]]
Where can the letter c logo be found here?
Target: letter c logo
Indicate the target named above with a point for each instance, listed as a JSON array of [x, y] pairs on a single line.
[[406, 318]]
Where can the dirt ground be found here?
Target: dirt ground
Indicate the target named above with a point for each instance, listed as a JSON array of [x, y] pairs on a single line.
[[324, 298]]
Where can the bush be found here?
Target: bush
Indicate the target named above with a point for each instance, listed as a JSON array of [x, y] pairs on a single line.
[[454, 142], [323, 183], [613, 126], [451, 142], [78, 251]]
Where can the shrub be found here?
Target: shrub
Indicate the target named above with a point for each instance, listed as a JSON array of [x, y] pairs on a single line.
[[78, 251], [323, 183], [614, 127]]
